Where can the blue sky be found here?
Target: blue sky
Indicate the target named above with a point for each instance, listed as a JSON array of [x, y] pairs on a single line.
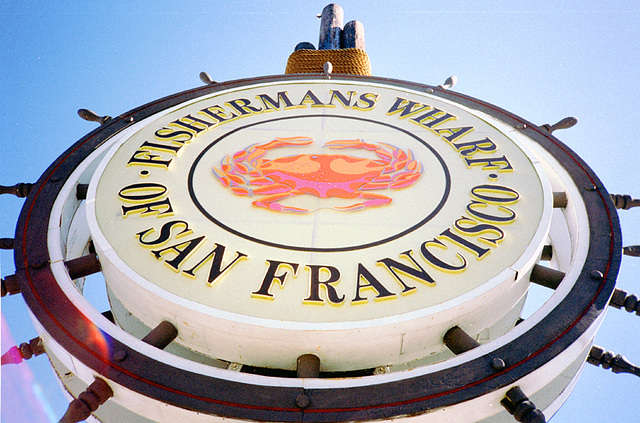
[[542, 60]]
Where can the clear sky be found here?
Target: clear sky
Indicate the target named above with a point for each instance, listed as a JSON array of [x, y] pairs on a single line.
[[542, 60]]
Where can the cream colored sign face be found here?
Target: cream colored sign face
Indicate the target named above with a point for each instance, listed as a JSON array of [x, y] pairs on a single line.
[[320, 201]]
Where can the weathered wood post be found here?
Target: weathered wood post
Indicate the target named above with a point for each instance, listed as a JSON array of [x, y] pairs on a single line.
[[353, 35], [331, 27]]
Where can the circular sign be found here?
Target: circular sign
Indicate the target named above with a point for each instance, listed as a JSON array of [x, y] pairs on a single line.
[[354, 221]]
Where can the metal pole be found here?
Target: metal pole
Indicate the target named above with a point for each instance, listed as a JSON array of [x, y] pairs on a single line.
[[546, 276], [308, 366], [83, 266], [162, 335], [458, 341]]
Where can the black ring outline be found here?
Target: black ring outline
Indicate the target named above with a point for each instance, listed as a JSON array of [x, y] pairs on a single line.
[[445, 196], [62, 320]]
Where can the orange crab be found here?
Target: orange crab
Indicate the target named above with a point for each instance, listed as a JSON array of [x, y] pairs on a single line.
[[246, 173]]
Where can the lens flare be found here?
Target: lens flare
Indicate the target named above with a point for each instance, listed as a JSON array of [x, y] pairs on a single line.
[[22, 396]]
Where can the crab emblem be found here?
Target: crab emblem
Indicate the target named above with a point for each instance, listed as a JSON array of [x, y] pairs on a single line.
[[247, 173]]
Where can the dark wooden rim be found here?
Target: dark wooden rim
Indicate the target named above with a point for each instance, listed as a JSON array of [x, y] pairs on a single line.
[[83, 339]]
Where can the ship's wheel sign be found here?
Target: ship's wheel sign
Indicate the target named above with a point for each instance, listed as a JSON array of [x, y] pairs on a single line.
[[385, 232]]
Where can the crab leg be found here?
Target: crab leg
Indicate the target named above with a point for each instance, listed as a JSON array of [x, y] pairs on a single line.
[[271, 202], [371, 200]]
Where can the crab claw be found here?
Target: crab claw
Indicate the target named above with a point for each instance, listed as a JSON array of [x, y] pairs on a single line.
[[279, 142], [257, 151]]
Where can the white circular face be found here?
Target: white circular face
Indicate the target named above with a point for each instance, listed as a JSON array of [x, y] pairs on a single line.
[[298, 204]]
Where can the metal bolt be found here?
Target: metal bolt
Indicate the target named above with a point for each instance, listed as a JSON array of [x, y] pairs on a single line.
[[596, 274], [302, 401], [234, 367], [381, 370], [39, 264], [521, 126], [429, 90], [119, 355], [498, 363]]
